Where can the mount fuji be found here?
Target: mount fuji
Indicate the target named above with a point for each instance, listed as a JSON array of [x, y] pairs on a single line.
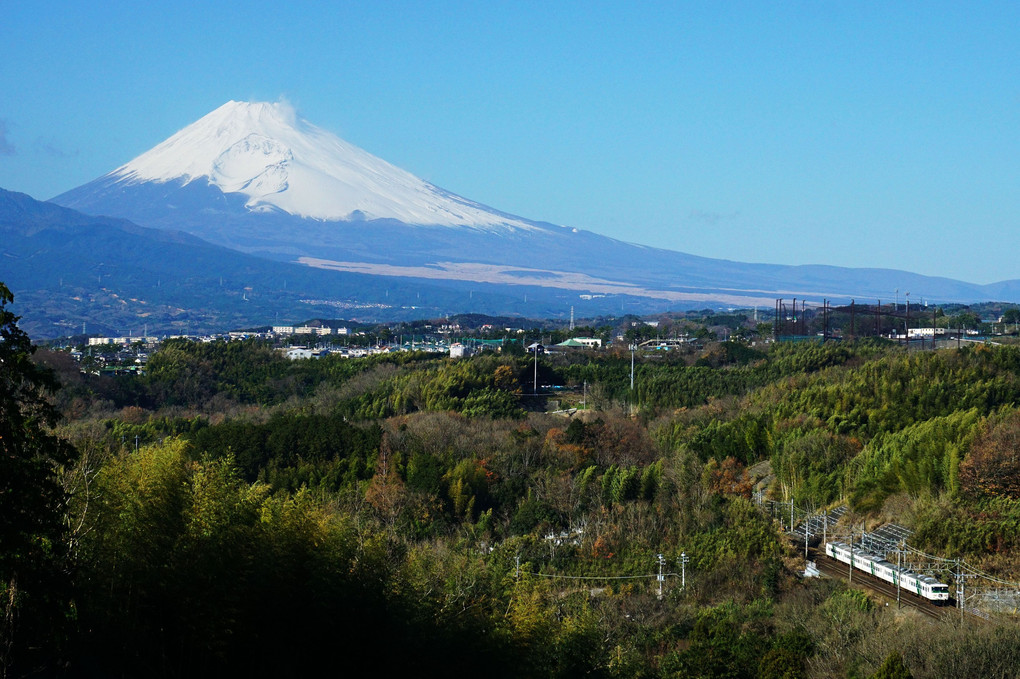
[[280, 163], [256, 178]]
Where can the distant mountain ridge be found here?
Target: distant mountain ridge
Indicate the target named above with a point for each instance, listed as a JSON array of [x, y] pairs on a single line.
[[67, 268], [255, 178]]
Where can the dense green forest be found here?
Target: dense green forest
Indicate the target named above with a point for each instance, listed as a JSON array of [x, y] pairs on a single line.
[[232, 511]]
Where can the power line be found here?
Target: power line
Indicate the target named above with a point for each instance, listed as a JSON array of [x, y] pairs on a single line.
[[605, 577]]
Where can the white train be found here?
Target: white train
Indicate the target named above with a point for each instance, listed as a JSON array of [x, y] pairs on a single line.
[[924, 586]]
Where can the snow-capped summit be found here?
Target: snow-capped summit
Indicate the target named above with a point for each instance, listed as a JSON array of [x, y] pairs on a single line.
[[279, 161]]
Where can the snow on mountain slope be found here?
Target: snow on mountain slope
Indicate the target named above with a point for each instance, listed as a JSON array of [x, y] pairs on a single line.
[[281, 162]]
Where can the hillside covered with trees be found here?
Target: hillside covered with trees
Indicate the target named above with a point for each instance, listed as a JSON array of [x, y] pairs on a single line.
[[232, 511]]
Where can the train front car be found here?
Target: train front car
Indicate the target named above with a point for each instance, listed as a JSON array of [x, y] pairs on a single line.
[[933, 590]]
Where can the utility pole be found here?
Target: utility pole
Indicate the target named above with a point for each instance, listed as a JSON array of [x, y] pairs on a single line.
[[632, 348], [825, 528], [136, 443], [906, 321], [791, 514], [535, 389], [661, 578], [517, 567], [683, 569]]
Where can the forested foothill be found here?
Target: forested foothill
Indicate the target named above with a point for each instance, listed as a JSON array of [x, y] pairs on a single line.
[[231, 511]]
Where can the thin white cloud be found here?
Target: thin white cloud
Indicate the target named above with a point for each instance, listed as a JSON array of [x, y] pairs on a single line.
[[711, 218], [53, 150], [6, 147]]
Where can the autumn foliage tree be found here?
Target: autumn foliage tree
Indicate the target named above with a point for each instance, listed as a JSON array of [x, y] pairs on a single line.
[[993, 465], [728, 477], [505, 379], [386, 491]]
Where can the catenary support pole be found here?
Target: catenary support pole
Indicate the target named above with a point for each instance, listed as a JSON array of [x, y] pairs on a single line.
[[899, 568], [850, 578]]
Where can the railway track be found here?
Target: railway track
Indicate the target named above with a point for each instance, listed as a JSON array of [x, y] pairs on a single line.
[[835, 569]]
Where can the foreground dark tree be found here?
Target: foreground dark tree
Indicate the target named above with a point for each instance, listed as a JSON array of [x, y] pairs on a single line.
[[31, 506]]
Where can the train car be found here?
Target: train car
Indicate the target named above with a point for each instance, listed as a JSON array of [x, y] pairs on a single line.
[[924, 586]]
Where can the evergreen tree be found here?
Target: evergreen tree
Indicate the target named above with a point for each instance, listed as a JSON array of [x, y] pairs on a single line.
[[32, 573]]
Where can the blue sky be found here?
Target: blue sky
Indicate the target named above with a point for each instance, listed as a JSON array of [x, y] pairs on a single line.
[[856, 134]]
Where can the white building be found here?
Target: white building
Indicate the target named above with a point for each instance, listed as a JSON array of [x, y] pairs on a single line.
[[590, 342], [122, 341], [283, 329], [915, 333], [458, 350]]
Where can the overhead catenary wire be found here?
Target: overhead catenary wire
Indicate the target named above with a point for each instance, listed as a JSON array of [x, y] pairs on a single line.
[[604, 577], [964, 566]]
